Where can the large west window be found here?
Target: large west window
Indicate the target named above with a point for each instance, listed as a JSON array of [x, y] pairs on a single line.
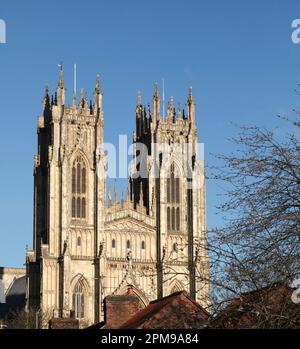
[[79, 188]]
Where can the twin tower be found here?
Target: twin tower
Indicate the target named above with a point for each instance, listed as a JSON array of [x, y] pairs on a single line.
[[153, 240]]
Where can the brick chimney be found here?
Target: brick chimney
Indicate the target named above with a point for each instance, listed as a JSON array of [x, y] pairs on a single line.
[[119, 309]]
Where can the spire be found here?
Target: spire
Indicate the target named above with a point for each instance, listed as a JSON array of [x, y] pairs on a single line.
[[156, 93], [61, 88], [46, 90], [81, 100], [171, 110], [86, 101], [141, 195], [139, 115], [179, 111], [190, 97], [98, 88], [61, 83], [128, 192], [139, 98], [191, 106], [46, 100], [156, 104], [98, 96], [115, 193], [109, 197], [171, 103], [74, 100]]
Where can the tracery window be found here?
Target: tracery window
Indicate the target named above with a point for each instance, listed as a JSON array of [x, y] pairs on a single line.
[[79, 186], [78, 301], [173, 200]]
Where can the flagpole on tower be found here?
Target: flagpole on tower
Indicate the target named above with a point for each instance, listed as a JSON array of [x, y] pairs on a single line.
[[163, 102], [75, 79]]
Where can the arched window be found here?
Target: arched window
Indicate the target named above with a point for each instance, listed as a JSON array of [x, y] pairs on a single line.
[[78, 301], [175, 248], [173, 200], [128, 244], [79, 186], [113, 243], [143, 245], [79, 241]]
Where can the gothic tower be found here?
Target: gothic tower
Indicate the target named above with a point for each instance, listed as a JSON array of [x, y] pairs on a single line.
[[69, 209], [168, 176]]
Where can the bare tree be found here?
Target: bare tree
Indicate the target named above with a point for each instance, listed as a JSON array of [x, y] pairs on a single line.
[[259, 243]]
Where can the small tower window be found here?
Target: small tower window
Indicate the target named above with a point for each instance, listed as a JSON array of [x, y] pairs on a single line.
[[143, 245], [175, 248], [113, 243], [128, 244]]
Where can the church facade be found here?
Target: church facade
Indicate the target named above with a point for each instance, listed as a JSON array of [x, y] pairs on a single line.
[[86, 247]]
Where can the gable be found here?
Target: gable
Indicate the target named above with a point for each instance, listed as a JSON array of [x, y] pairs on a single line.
[[129, 225]]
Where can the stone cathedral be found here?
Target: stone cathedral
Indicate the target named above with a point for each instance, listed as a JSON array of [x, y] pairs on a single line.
[[86, 246]]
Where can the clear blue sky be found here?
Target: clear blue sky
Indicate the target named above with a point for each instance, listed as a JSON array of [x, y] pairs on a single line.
[[237, 55]]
